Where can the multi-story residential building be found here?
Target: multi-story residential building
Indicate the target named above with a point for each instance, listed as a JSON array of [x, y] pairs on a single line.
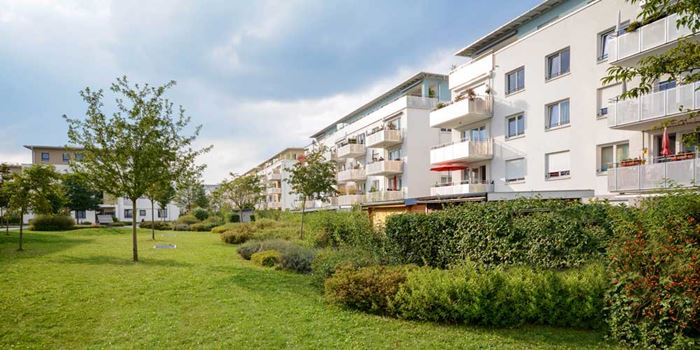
[[381, 146], [530, 115], [274, 173], [121, 208]]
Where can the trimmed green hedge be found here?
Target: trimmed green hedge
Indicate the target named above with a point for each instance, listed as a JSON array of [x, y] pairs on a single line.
[[52, 223], [370, 289], [158, 225], [267, 258]]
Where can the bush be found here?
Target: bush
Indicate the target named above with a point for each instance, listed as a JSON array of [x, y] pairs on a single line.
[[272, 214], [9, 219], [504, 297], [52, 223], [234, 217], [181, 227], [654, 301], [225, 227], [329, 260], [206, 225], [267, 258], [85, 222], [188, 219], [236, 237], [335, 229], [252, 218], [158, 225], [200, 214], [297, 258], [532, 232], [246, 250], [369, 289]]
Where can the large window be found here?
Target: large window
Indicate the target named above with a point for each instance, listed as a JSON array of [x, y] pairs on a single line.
[[128, 213], [557, 64], [515, 125], [44, 156], [611, 154], [80, 214], [162, 213], [515, 80], [395, 154], [557, 114], [142, 212], [66, 157], [604, 42], [475, 134], [515, 170], [558, 165]]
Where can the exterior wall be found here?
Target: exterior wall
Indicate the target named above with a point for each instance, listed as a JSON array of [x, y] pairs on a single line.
[[274, 173], [173, 212], [418, 139]]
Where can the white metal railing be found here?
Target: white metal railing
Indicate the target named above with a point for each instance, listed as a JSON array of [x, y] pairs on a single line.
[[384, 167], [351, 175], [454, 188], [382, 196], [662, 172], [647, 37], [462, 150], [679, 99]]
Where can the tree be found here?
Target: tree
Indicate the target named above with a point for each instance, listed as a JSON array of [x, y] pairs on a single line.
[[5, 176], [139, 144], [313, 177], [33, 189], [243, 191], [161, 192], [190, 192], [680, 63], [79, 195]]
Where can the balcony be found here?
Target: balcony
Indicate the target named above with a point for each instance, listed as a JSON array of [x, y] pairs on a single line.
[[274, 205], [274, 190], [348, 200], [464, 151], [384, 167], [384, 196], [450, 189], [274, 177], [351, 175], [642, 112], [651, 39], [383, 138], [472, 71], [351, 150], [677, 170], [463, 112]]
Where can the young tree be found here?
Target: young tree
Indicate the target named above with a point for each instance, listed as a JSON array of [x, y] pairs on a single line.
[[313, 177], [79, 195], [141, 142], [680, 63], [5, 195], [33, 189], [161, 192], [243, 191]]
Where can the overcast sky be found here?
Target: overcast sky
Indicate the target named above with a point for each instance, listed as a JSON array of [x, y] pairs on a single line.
[[258, 75]]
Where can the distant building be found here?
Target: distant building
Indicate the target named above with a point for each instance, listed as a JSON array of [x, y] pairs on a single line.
[[274, 173]]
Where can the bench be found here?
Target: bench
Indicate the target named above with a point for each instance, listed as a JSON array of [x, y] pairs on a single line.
[[104, 219]]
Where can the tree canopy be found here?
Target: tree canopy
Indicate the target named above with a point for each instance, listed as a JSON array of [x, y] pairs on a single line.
[[79, 194], [243, 191]]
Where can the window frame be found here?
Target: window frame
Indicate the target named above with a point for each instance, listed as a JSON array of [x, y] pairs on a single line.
[[162, 213], [47, 158], [514, 180], [128, 213], [603, 44], [599, 155], [518, 132], [142, 212], [547, 76], [507, 82], [548, 113], [66, 157], [562, 174]]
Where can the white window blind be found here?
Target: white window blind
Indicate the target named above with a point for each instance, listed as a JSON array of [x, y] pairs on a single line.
[[558, 164], [515, 169], [605, 96]]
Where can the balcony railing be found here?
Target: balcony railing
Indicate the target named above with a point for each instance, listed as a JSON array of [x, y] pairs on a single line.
[[655, 105], [465, 150], [351, 150], [384, 196], [464, 187], [274, 190], [462, 112], [353, 175], [274, 177], [350, 199], [677, 170], [646, 38], [383, 138], [384, 167]]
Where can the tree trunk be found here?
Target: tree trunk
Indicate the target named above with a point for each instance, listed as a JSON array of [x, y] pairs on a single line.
[[303, 209], [77, 220], [153, 223], [21, 227], [133, 230]]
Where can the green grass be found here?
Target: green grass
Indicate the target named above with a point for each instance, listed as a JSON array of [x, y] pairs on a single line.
[[79, 289]]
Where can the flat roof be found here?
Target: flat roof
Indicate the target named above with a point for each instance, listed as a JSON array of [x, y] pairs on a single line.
[[398, 88], [507, 30], [300, 149], [32, 147]]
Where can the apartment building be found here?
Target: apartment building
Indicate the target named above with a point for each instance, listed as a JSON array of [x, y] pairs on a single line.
[[121, 208], [381, 146], [274, 172], [530, 116]]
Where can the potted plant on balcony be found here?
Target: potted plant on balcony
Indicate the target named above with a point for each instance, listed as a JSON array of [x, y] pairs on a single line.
[[440, 105], [631, 162], [391, 126], [471, 95], [352, 141]]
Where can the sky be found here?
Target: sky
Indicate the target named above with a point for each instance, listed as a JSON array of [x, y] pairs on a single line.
[[258, 76]]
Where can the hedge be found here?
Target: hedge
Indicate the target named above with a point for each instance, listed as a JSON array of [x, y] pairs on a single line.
[[52, 223], [370, 289], [158, 225], [267, 258]]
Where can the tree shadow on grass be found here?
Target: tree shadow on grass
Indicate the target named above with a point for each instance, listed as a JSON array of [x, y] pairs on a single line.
[[268, 281], [35, 245], [119, 261]]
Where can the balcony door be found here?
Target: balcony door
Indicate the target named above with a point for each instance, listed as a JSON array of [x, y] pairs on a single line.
[[475, 134], [658, 141], [474, 175]]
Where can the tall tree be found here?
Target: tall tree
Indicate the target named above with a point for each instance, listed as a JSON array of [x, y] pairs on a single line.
[[125, 153], [5, 195], [243, 191], [33, 189], [312, 177], [80, 196], [189, 191], [680, 63]]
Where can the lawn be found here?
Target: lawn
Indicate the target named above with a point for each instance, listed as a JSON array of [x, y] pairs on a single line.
[[79, 289]]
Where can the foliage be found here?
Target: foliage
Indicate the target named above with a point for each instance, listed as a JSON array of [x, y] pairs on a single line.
[[532, 232], [157, 225], [251, 247], [272, 214], [236, 237], [328, 261], [188, 219], [140, 144], [504, 297], [297, 258], [206, 225], [370, 289], [79, 194], [52, 222], [200, 214], [5, 176], [267, 258], [335, 229], [655, 298], [234, 217], [190, 193], [243, 191], [181, 227]]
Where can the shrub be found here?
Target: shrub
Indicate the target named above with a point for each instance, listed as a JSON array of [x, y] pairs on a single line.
[[297, 258], [369, 289], [52, 223], [654, 301], [329, 260], [206, 225], [9, 219], [252, 218], [181, 227], [200, 214], [158, 225], [247, 249], [236, 237], [504, 297], [272, 214], [263, 224], [268, 258], [85, 222], [234, 217], [225, 227], [188, 219], [335, 229]]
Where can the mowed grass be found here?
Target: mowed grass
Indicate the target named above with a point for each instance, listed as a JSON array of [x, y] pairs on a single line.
[[79, 289]]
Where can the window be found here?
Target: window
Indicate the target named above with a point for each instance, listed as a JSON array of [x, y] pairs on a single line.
[[690, 141], [515, 80], [611, 154], [44, 156], [78, 156], [475, 134], [66, 157], [515, 126], [557, 114], [515, 170], [664, 85], [604, 41], [395, 154], [557, 64], [558, 165], [445, 130], [162, 213], [80, 214], [142, 212], [445, 179], [128, 213], [605, 97]]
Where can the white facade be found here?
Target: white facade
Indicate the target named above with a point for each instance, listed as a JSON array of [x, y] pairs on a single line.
[[523, 122], [274, 173]]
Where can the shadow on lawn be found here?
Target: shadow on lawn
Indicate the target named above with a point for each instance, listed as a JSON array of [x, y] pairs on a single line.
[[36, 244], [119, 261], [268, 282]]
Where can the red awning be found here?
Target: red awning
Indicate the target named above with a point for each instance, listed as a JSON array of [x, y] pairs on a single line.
[[449, 167]]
